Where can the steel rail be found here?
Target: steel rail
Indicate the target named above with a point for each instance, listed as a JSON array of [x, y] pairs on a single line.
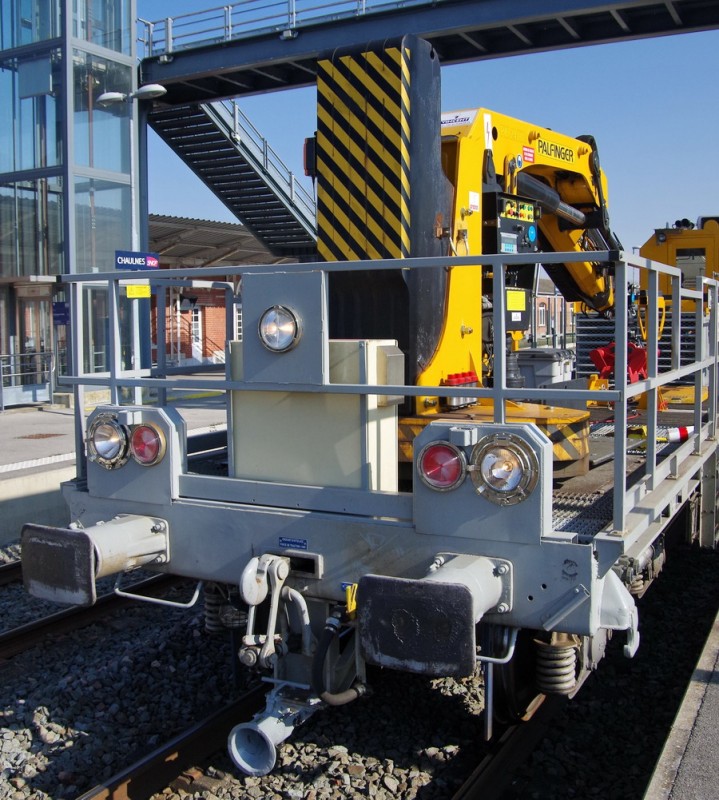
[[168, 762], [10, 572], [510, 750], [17, 640]]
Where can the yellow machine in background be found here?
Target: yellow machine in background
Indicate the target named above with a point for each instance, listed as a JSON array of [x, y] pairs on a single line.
[[516, 188], [692, 248]]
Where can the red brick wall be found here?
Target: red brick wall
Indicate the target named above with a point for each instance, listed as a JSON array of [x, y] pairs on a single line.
[[210, 302]]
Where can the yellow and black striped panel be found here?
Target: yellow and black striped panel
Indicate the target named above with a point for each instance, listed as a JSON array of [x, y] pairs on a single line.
[[570, 441], [363, 154]]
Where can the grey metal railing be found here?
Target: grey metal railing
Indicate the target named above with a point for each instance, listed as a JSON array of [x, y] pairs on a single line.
[[228, 114], [636, 505], [25, 378], [249, 18]]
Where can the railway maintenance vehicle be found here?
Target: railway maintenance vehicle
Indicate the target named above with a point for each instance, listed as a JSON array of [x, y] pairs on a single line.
[[392, 488]]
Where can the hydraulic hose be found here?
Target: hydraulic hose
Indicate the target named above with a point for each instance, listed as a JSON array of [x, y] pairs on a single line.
[[329, 633], [295, 597], [549, 199]]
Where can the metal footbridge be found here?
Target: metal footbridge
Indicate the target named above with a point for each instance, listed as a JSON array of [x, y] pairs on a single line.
[[258, 46]]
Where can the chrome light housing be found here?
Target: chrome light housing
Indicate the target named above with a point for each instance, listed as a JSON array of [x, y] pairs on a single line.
[[504, 469], [279, 329], [107, 442]]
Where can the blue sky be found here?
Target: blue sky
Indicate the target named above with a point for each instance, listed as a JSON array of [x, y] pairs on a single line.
[[652, 106]]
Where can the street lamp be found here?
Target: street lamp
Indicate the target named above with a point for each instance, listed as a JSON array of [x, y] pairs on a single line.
[[141, 308], [148, 92]]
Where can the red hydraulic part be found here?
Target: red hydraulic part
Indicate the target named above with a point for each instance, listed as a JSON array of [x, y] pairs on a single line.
[[603, 359]]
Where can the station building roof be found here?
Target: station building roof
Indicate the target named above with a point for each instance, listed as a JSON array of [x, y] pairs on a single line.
[[186, 242]]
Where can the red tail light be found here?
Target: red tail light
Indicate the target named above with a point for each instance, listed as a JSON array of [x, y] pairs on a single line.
[[147, 445], [441, 466]]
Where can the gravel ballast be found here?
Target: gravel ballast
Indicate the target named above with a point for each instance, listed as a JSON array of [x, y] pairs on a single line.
[[79, 709]]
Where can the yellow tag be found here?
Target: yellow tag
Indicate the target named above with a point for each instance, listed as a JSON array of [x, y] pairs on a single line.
[[139, 290], [351, 600], [516, 301]]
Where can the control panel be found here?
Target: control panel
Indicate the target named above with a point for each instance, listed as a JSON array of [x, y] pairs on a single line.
[[510, 224]]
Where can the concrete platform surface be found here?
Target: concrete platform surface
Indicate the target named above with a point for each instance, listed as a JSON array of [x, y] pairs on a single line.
[[688, 768], [45, 434], [37, 454]]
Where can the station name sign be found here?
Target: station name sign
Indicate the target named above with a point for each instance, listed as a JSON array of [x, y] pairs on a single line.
[[128, 259]]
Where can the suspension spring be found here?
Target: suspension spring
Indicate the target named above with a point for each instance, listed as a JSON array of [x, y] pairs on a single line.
[[636, 587], [214, 601], [556, 668]]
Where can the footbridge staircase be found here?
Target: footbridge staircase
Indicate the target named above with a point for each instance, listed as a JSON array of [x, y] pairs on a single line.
[[222, 147]]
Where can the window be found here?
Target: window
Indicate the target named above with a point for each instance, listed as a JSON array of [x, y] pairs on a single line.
[[4, 312], [102, 135], [28, 21], [96, 332], [31, 135], [103, 223], [34, 211], [542, 315], [95, 329], [103, 22], [196, 338], [238, 323], [693, 263]]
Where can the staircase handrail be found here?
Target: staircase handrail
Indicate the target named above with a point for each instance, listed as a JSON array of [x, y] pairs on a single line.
[[228, 114]]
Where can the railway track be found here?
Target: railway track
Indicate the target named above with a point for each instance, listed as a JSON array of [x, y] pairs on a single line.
[[178, 763], [10, 572], [176, 758], [510, 750], [17, 640]]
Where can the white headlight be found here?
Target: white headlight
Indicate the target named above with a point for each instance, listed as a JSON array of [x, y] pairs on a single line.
[[504, 469], [107, 443], [279, 329]]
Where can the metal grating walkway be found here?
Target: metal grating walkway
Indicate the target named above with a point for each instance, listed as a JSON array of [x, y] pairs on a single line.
[[580, 513]]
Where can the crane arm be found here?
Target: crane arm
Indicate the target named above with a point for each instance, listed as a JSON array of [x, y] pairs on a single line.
[[561, 174]]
